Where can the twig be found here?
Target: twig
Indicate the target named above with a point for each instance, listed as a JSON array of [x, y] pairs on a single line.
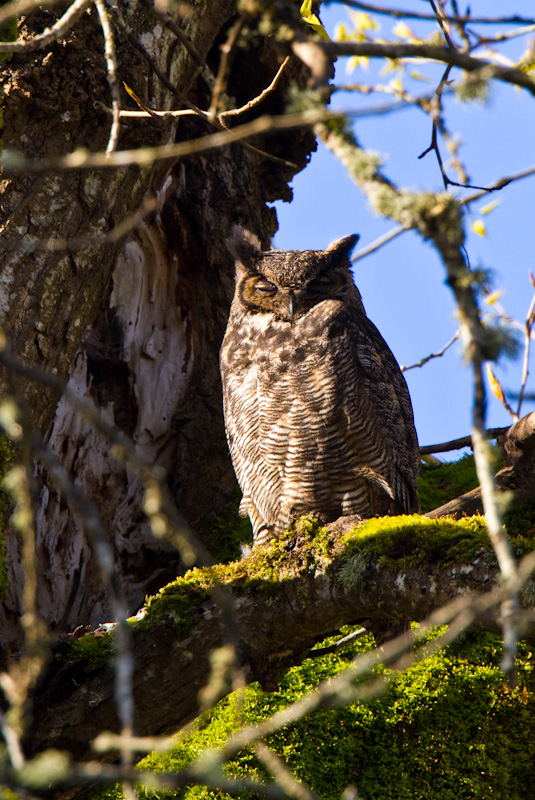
[[227, 51], [252, 103], [12, 741], [393, 12], [81, 159], [317, 652], [283, 776], [530, 321], [501, 183], [22, 675], [86, 511], [60, 28], [460, 25], [379, 242], [118, 232], [441, 19], [433, 355], [111, 67], [18, 8]]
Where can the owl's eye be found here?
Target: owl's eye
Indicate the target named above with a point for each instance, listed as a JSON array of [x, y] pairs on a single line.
[[322, 282], [265, 287]]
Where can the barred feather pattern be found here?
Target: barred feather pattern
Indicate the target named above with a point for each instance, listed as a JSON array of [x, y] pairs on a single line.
[[317, 412]]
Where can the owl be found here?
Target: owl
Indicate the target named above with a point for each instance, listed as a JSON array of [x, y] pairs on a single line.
[[317, 412]]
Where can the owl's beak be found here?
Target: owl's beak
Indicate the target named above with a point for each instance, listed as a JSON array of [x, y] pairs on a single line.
[[291, 305]]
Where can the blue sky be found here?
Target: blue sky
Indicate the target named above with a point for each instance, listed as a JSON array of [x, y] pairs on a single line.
[[402, 284]]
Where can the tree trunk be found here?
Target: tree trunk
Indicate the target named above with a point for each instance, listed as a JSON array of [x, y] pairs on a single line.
[[136, 324]]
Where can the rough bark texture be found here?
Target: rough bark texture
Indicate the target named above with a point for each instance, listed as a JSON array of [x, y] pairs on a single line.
[[317, 596], [136, 325]]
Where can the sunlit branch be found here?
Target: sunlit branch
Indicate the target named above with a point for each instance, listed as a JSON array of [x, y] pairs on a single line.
[[162, 77], [252, 103], [284, 777], [60, 28], [12, 741], [460, 25], [503, 37], [143, 156], [111, 66], [441, 19], [379, 242]]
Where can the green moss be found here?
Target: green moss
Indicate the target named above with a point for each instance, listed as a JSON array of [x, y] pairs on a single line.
[[447, 729], [177, 601], [439, 482], [96, 649], [409, 541]]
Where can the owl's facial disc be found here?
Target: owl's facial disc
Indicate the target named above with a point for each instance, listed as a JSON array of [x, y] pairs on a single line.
[[260, 294]]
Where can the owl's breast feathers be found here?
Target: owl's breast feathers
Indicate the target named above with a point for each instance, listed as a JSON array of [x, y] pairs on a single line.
[[318, 416]]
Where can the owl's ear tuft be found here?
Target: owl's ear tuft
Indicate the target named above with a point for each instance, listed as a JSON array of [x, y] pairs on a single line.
[[342, 247], [242, 244]]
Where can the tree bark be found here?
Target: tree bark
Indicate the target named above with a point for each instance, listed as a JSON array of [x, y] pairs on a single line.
[[135, 324]]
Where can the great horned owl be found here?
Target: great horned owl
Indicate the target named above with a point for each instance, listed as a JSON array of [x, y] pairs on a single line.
[[317, 413]]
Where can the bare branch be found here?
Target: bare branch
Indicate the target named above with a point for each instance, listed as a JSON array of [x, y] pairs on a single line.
[[530, 322], [397, 13], [81, 159], [284, 777], [380, 241], [484, 69], [433, 355], [501, 183], [86, 511], [227, 51], [252, 103], [111, 66], [458, 444]]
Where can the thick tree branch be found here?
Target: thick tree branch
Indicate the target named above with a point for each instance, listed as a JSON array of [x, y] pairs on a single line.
[[317, 595]]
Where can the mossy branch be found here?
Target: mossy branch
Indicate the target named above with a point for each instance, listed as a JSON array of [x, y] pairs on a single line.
[[315, 580]]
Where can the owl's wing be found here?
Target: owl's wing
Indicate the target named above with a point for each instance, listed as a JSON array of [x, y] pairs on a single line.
[[383, 397], [258, 480]]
